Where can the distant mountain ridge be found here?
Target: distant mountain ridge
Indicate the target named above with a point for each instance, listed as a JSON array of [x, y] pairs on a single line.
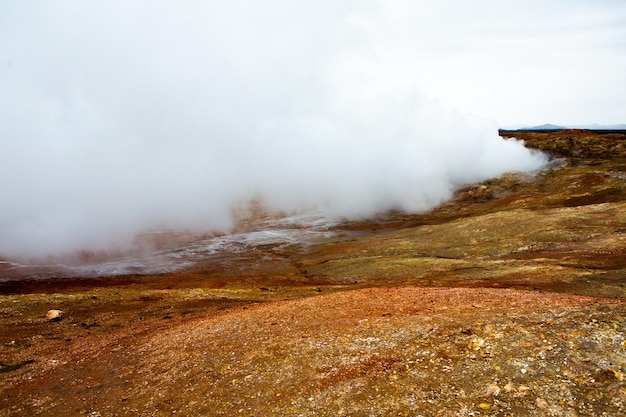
[[550, 127], [547, 126]]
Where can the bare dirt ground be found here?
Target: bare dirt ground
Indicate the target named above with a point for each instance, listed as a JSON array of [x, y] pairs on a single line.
[[507, 300]]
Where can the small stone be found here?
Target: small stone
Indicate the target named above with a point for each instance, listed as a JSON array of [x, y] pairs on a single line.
[[508, 387], [492, 389], [541, 403], [484, 406], [617, 374], [475, 343], [588, 345], [54, 315]]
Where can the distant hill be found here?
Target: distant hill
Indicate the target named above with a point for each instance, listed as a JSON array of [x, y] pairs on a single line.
[[547, 126]]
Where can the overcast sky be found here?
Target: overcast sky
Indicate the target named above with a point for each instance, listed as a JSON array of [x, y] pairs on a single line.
[[516, 62], [124, 116]]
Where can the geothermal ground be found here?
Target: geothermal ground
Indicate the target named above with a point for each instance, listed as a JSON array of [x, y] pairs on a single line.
[[508, 300]]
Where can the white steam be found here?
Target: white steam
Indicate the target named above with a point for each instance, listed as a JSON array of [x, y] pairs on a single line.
[[121, 117]]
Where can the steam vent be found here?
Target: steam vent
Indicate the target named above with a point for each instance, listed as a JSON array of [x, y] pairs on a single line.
[[507, 300]]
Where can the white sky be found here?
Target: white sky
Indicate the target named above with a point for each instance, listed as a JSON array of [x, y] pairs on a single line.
[[118, 117], [516, 62]]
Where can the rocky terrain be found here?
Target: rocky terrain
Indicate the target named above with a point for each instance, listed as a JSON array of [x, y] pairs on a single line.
[[508, 300]]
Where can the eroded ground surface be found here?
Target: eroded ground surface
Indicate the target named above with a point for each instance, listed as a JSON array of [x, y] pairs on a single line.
[[526, 318]]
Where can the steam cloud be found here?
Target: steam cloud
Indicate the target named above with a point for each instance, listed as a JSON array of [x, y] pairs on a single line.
[[122, 117]]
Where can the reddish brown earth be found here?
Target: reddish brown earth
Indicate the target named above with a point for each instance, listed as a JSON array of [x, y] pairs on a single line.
[[507, 300]]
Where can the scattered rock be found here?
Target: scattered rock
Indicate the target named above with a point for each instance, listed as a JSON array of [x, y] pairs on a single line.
[[492, 389], [476, 343], [618, 375], [54, 315], [541, 403], [588, 345]]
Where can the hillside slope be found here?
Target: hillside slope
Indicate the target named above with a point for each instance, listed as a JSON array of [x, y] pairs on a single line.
[[527, 317]]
